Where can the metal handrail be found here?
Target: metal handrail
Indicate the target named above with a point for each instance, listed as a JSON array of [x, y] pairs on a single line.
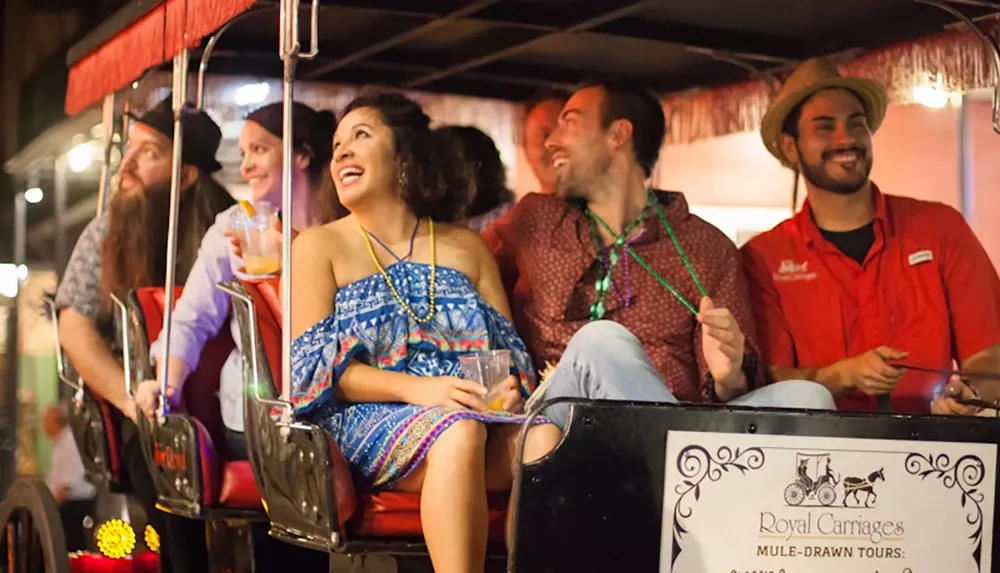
[[289, 50], [990, 42], [76, 385], [180, 84], [126, 347]]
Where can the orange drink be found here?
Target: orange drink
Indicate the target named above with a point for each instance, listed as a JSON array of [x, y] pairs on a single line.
[[489, 368], [259, 265], [496, 403], [252, 223]]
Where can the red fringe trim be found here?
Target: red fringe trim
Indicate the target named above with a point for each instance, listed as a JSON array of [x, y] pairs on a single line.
[[959, 58], [150, 41]]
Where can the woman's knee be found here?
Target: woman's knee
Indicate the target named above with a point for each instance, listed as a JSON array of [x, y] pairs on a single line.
[[463, 439], [541, 439]]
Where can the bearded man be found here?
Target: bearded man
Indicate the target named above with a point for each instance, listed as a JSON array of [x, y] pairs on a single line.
[[628, 293], [861, 284], [123, 249]]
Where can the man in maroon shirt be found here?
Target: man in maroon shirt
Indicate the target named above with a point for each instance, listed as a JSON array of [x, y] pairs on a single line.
[[634, 297]]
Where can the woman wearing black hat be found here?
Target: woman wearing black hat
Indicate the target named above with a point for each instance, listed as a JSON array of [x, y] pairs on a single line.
[[202, 309]]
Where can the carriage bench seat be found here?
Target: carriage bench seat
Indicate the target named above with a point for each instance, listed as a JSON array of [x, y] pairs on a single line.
[[94, 426], [96, 431], [187, 452], [394, 514], [302, 473]]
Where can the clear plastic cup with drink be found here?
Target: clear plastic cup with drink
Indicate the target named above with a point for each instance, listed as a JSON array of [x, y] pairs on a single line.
[[489, 368], [252, 224]]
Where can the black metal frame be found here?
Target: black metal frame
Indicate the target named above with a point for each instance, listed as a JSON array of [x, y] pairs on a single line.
[[291, 464], [86, 420], [759, 55], [621, 448], [514, 30], [179, 489]]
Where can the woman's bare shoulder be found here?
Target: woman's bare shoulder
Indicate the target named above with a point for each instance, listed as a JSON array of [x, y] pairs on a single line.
[[322, 237], [460, 236], [464, 249]]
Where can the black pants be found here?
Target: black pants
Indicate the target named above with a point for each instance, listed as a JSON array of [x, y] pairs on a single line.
[[182, 541], [237, 443], [72, 512]]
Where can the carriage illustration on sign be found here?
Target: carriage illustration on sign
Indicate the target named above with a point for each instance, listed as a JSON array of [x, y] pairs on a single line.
[[814, 480]]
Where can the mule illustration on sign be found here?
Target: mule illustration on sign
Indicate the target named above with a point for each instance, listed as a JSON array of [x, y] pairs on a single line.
[[816, 484], [854, 486]]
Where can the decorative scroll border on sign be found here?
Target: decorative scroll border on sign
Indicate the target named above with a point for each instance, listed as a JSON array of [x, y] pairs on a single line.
[[696, 464], [966, 473]]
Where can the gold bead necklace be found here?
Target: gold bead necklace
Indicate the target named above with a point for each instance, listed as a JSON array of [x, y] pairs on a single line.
[[392, 288]]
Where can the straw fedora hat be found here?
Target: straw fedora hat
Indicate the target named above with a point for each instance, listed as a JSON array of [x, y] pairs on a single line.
[[812, 76]]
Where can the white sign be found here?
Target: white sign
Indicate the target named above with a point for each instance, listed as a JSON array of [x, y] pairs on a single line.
[[752, 503]]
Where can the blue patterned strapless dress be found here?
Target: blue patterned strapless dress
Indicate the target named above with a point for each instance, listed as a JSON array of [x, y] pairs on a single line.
[[384, 442]]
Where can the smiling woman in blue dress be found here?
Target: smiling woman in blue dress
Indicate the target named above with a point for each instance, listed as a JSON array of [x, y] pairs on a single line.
[[385, 300]]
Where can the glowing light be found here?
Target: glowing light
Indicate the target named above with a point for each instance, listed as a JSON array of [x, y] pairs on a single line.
[[933, 93], [34, 195], [9, 282], [80, 158], [22, 272], [152, 539], [115, 539], [251, 94], [930, 96]]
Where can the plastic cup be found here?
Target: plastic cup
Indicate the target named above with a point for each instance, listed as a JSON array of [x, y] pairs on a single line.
[[489, 368], [260, 255]]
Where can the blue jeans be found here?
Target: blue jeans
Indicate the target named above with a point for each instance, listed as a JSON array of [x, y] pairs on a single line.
[[604, 361]]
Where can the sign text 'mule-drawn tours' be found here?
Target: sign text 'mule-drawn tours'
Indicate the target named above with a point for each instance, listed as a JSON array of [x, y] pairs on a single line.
[[796, 504]]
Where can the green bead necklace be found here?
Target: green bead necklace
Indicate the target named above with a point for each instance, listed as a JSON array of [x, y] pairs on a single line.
[[603, 282]]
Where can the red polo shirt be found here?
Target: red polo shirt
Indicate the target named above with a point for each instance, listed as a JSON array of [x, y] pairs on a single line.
[[926, 287]]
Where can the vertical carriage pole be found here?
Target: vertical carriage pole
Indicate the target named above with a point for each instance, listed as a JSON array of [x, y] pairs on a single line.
[[108, 127], [180, 97], [290, 52], [288, 34]]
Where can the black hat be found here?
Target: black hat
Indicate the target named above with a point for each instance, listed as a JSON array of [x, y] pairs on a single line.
[[201, 134]]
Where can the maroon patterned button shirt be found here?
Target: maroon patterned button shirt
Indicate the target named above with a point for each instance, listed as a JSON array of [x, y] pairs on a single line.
[[549, 264]]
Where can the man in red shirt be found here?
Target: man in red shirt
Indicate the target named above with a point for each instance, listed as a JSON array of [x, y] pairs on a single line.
[[634, 297], [860, 283]]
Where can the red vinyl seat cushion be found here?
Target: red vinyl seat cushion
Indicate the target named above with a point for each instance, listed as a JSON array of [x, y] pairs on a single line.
[[394, 514]]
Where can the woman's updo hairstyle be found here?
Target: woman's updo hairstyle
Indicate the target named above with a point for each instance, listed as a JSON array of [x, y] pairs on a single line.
[[478, 150], [432, 179], [312, 133], [312, 137]]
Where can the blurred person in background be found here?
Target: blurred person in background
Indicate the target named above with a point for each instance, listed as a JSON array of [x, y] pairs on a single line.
[[67, 479], [541, 117], [491, 198]]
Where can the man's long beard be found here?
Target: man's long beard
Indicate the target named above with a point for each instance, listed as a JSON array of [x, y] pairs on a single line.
[[135, 245]]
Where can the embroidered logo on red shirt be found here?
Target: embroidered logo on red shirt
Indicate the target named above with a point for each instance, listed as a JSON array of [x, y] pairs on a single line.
[[790, 271]]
